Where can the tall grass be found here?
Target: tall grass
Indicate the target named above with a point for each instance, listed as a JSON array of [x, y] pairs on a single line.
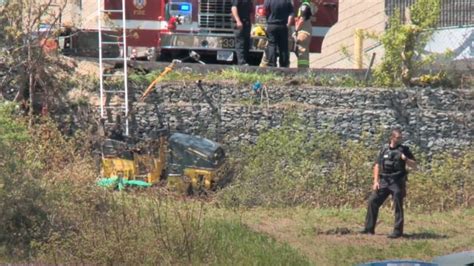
[[51, 212], [146, 229]]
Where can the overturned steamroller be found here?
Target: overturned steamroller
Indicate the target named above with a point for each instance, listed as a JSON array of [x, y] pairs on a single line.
[[185, 163]]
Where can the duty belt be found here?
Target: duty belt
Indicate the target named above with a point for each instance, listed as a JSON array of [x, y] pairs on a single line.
[[395, 175]]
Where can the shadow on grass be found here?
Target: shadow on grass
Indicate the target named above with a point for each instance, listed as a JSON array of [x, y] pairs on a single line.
[[414, 236], [336, 231], [425, 235]]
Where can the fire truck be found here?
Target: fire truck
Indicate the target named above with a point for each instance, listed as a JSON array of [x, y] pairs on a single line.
[[168, 29]]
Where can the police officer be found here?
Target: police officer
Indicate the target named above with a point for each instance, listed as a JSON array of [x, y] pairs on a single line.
[[241, 12], [302, 36], [390, 176], [279, 18]]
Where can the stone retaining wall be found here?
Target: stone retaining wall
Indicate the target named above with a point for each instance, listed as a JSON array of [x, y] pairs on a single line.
[[433, 119]]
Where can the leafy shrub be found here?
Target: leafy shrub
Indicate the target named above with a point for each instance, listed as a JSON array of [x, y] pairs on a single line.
[[291, 166], [404, 44], [22, 203], [444, 183], [35, 165], [287, 167]]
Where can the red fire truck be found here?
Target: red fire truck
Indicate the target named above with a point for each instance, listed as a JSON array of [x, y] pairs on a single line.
[[168, 29]]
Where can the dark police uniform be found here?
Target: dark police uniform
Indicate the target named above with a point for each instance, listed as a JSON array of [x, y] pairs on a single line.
[[278, 12], [393, 177], [242, 38]]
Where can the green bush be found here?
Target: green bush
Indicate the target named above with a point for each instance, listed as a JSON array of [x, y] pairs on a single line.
[[22, 203], [404, 44], [36, 163], [288, 168], [444, 183]]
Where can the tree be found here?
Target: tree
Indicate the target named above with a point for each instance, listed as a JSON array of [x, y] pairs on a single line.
[[28, 30]]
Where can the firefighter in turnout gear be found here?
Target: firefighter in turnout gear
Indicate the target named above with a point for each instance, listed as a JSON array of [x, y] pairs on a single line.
[[302, 35], [390, 177]]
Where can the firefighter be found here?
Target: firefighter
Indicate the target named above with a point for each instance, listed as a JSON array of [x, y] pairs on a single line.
[[302, 35], [260, 33], [390, 176], [279, 15], [241, 12]]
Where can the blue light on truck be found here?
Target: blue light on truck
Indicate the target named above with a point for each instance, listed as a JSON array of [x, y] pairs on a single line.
[[185, 7]]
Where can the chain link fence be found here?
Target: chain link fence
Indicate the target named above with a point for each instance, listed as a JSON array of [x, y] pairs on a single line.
[[454, 13], [454, 32]]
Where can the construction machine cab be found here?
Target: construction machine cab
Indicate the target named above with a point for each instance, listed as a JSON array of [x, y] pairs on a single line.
[[187, 163], [194, 163]]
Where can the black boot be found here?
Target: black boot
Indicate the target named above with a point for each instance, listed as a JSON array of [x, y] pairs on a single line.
[[395, 235], [366, 232]]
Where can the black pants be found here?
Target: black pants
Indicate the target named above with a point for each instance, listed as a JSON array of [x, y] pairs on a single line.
[[377, 198], [278, 37], [242, 43]]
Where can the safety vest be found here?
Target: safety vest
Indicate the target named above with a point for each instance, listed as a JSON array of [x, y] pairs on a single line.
[[393, 166]]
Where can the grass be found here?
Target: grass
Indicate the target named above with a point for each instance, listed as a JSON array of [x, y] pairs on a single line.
[[148, 227], [241, 77], [228, 74], [327, 236], [235, 75], [237, 244], [197, 233]]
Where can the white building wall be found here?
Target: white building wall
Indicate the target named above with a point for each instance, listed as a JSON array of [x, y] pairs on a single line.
[[353, 14], [82, 13]]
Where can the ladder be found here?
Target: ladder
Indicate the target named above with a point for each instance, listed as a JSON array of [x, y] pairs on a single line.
[[118, 90]]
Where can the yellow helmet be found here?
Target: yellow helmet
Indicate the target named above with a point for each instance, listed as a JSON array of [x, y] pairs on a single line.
[[259, 31]]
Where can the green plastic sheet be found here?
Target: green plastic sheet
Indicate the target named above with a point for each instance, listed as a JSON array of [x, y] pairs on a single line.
[[120, 183]]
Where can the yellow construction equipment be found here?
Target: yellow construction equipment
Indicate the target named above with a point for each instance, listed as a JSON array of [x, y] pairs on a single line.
[[184, 162]]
